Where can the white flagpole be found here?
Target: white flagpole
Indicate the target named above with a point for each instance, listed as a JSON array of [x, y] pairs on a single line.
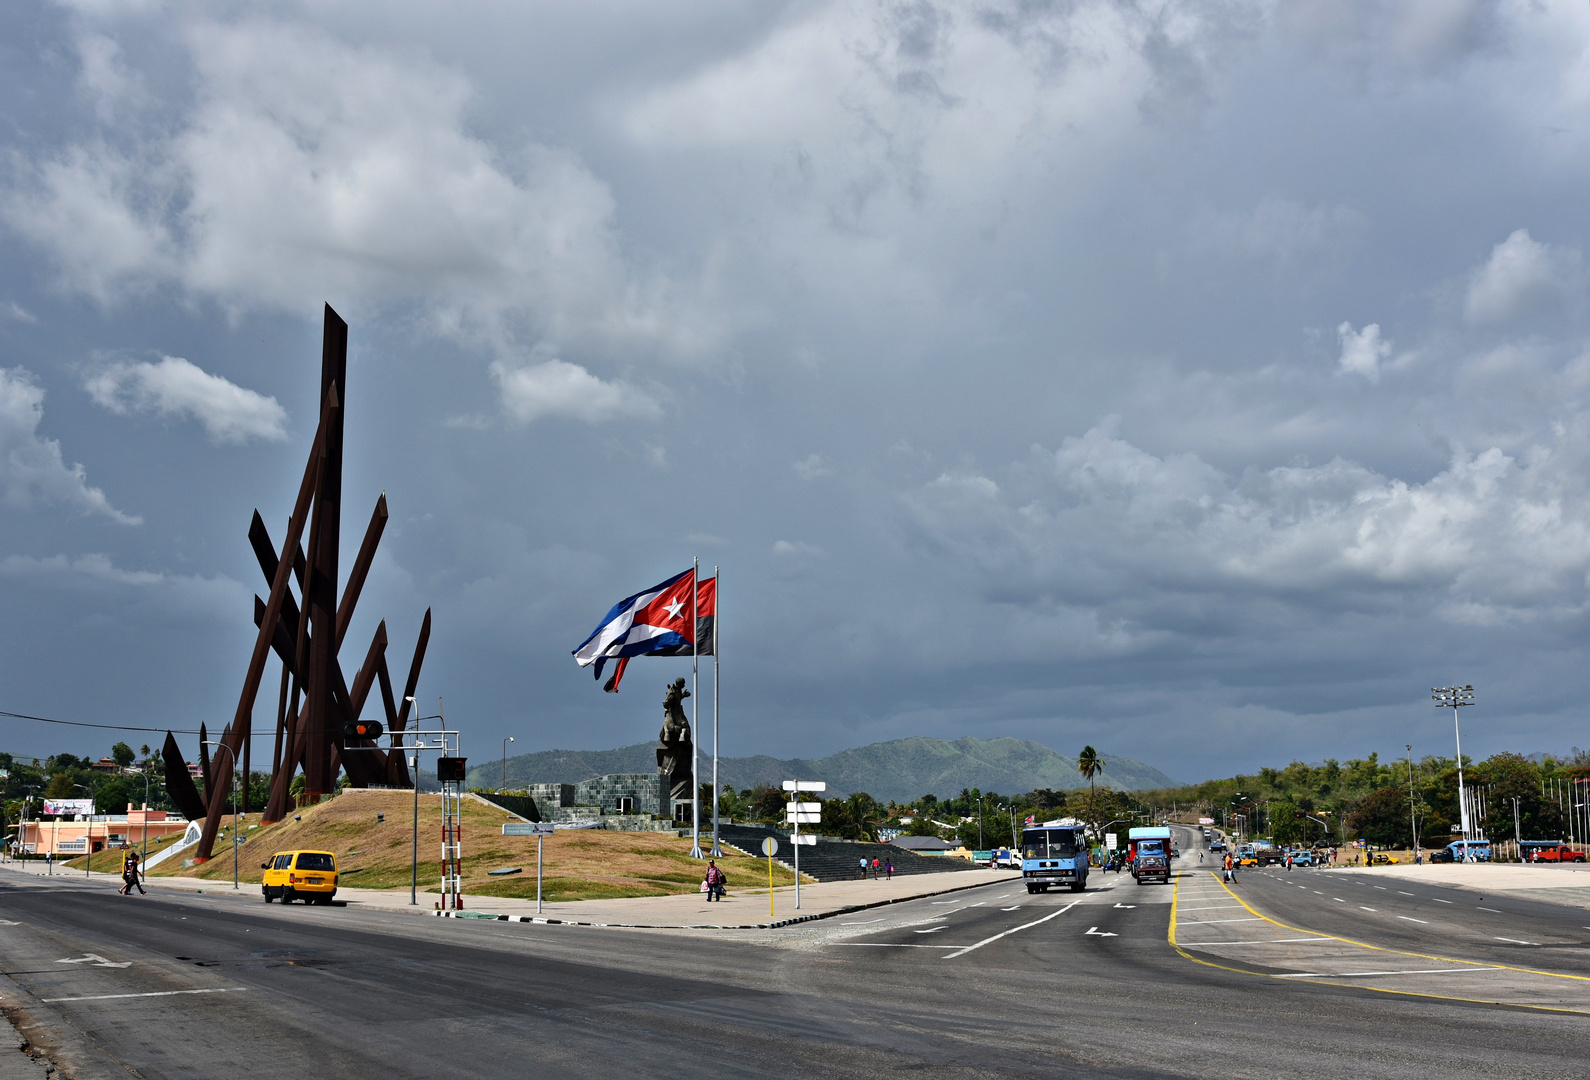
[[695, 733], [717, 621]]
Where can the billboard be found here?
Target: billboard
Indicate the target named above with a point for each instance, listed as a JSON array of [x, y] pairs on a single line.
[[1206, 821], [68, 806]]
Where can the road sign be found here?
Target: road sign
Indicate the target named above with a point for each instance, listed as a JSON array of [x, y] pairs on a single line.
[[1111, 841], [770, 847], [807, 839], [527, 828], [803, 819], [805, 785], [804, 807]]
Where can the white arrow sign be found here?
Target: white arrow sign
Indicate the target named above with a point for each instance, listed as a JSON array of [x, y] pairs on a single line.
[[1096, 933], [95, 959], [1127, 906]]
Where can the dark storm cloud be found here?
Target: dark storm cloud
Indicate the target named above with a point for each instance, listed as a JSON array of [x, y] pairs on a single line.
[[1202, 380]]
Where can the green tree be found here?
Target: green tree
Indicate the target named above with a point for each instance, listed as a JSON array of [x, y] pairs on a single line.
[[60, 786], [122, 754], [1090, 765]]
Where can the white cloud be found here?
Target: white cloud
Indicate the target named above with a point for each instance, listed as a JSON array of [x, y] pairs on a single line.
[[812, 467], [789, 549], [176, 387], [1362, 351], [1277, 229], [305, 168], [31, 465], [217, 597], [1507, 534], [1521, 274], [558, 388]]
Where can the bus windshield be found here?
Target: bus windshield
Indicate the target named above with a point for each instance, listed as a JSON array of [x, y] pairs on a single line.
[[1049, 844]]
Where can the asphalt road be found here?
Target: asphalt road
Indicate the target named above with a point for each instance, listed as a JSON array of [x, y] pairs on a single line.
[[987, 982]]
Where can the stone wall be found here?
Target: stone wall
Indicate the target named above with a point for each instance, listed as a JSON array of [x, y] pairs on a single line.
[[550, 797], [643, 789]]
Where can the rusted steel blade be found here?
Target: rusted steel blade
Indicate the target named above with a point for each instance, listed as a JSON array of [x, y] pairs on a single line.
[[397, 772], [273, 607], [414, 671], [204, 765], [179, 783], [320, 584], [361, 568], [259, 538]]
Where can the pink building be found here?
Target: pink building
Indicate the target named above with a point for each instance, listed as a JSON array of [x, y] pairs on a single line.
[[72, 838]]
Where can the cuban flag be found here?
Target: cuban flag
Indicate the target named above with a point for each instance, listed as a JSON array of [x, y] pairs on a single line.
[[705, 643], [650, 621]]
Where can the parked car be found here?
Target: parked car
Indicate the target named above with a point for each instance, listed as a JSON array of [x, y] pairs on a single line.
[[1302, 858], [1555, 853]]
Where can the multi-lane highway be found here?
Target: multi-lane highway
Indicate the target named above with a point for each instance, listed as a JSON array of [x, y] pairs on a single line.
[[1318, 973]]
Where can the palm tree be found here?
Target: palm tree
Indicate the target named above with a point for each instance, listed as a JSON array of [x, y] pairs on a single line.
[[1090, 765]]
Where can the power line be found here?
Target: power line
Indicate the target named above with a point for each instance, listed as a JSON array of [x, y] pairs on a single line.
[[109, 727]]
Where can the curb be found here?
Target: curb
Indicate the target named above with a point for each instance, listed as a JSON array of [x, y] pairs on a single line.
[[848, 910]]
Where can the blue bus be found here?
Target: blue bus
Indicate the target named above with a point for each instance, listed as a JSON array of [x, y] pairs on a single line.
[[1054, 855]]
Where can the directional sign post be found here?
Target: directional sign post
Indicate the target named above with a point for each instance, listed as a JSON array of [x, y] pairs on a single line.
[[538, 829], [769, 848], [797, 813]]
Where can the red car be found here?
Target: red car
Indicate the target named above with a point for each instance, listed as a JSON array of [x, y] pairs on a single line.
[[1560, 853]]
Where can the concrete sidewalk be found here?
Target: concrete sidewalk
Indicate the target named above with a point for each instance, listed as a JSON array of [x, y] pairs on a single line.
[[740, 908]]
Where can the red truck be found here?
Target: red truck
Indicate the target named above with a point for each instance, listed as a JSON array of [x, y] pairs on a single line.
[[1554, 853]]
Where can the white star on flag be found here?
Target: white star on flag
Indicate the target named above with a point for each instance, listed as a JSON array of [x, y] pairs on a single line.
[[675, 608]]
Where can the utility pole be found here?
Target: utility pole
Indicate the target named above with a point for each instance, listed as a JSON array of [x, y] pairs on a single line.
[[1413, 809], [1454, 698]]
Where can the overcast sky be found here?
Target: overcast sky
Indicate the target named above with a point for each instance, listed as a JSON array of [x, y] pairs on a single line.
[[1201, 381]]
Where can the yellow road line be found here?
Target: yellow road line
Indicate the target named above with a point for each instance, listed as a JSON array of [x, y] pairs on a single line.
[[1174, 944]]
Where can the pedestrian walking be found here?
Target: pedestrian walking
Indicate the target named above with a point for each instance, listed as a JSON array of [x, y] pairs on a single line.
[[888, 870], [1288, 862], [714, 881], [1231, 869], [863, 863], [874, 868], [129, 874]]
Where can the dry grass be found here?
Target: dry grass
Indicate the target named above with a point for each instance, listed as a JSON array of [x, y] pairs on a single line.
[[579, 864]]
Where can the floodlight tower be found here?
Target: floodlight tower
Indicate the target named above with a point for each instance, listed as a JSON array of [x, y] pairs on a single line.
[[1454, 698]]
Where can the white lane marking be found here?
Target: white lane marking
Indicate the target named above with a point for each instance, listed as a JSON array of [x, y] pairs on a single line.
[[1012, 908], [1265, 941], [1094, 931], [1401, 893], [1362, 908], [1207, 907], [941, 903], [1515, 941], [156, 993], [1492, 910], [96, 959], [1409, 918], [1128, 907], [888, 945], [1318, 893], [8, 922], [1382, 888], [1338, 899], [1361, 974], [1211, 922], [1012, 930], [932, 929], [1438, 900], [978, 904], [860, 922]]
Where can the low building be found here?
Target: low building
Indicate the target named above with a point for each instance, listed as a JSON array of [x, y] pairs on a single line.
[[72, 838]]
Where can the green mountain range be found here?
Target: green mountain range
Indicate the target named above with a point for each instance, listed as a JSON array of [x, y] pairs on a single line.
[[901, 769]]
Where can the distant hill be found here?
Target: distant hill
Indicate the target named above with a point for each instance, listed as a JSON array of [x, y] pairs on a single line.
[[901, 769]]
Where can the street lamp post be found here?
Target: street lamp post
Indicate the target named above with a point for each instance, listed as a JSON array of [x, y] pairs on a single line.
[[236, 836], [414, 764], [1413, 808], [1454, 698], [505, 743]]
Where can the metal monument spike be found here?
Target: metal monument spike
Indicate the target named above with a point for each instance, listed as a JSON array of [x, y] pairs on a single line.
[[306, 634]]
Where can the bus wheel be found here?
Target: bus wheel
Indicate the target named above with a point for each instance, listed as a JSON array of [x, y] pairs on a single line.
[[1031, 889]]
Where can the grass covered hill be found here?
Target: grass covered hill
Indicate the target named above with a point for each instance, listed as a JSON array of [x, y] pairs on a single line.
[[580, 864], [901, 769]]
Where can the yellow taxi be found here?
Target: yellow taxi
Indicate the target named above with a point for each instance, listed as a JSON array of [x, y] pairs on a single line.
[[307, 875]]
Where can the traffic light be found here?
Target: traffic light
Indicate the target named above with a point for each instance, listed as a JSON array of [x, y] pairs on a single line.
[[1297, 814], [450, 770], [362, 729]]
